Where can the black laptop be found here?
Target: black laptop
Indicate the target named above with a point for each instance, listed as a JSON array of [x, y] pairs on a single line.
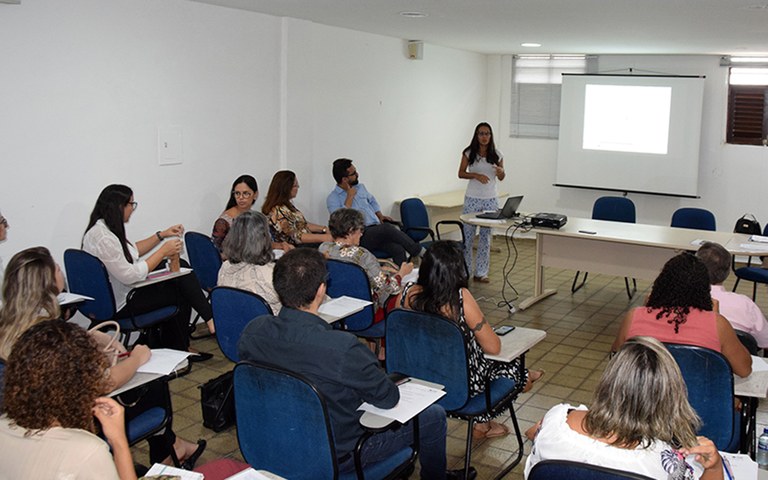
[[508, 211]]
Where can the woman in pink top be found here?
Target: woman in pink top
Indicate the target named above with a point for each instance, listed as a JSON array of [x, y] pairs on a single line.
[[681, 310]]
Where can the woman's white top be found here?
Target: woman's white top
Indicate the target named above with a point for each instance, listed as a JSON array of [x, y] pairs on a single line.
[[475, 188], [102, 243], [557, 441]]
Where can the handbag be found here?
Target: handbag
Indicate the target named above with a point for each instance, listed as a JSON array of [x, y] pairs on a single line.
[[748, 224], [108, 342], [217, 400]]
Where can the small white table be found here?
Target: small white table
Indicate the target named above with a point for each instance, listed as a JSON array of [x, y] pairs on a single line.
[[377, 422], [516, 343], [161, 276]]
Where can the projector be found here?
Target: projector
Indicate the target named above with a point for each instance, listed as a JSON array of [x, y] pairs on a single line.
[[548, 220]]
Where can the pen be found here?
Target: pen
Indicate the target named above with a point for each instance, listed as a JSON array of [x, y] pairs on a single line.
[[124, 355], [405, 380]]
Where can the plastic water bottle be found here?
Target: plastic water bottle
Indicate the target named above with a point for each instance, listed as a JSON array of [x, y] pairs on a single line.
[[762, 450]]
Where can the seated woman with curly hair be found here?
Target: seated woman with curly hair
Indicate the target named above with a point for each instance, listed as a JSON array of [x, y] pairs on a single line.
[[48, 428], [681, 310], [32, 283]]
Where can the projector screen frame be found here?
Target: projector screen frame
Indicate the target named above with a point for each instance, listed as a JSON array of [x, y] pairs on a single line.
[[681, 161]]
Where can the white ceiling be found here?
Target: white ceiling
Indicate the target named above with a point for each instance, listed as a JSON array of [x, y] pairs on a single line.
[[561, 26]]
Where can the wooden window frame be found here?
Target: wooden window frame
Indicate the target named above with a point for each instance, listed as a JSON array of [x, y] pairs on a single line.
[[747, 115]]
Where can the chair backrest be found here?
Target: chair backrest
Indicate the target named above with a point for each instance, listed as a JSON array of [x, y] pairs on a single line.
[[282, 423], [87, 276], [709, 379], [350, 279], [204, 258], [748, 341], [233, 309], [431, 348], [615, 209], [567, 470], [695, 218], [413, 213]]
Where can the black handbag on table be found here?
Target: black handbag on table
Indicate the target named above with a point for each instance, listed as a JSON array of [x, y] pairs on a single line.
[[748, 224], [217, 399]]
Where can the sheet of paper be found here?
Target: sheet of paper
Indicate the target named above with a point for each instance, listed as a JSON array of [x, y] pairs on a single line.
[[65, 298], [163, 361], [741, 465], [411, 277], [759, 364], [698, 242], [248, 474], [413, 399], [160, 469], [758, 238], [343, 306]]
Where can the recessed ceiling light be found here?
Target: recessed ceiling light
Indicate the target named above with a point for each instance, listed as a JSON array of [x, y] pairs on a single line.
[[756, 7], [413, 14], [530, 44]]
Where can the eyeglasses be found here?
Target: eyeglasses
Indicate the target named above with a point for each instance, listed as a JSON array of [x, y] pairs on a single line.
[[353, 174], [483, 134], [135, 205], [242, 194]]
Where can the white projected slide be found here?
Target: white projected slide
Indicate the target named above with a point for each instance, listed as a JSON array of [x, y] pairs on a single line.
[[630, 133], [626, 118]]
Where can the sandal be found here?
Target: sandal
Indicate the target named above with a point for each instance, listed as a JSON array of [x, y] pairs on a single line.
[[481, 279], [533, 377], [189, 462], [489, 430]]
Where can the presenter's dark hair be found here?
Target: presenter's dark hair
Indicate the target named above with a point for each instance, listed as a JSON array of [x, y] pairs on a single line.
[[474, 147], [110, 207], [47, 361], [717, 260], [344, 221], [683, 284], [340, 167], [297, 276], [279, 193], [441, 275], [246, 179]]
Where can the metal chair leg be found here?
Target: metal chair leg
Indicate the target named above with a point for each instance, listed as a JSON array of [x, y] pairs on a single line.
[[575, 288]]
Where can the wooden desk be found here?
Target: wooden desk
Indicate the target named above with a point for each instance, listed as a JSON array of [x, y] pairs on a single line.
[[621, 249]]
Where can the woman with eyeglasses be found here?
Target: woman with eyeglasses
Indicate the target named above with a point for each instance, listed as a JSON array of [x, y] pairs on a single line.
[[129, 263], [286, 222], [483, 166], [680, 309], [242, 196]]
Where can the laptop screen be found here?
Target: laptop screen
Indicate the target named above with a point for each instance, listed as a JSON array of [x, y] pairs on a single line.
[[510, 206]]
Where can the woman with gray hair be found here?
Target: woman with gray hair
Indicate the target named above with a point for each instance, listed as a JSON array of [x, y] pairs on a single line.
[[250, 260], [346, 226], [624, 430]]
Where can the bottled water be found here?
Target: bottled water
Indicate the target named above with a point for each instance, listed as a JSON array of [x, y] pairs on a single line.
[[762, 450]]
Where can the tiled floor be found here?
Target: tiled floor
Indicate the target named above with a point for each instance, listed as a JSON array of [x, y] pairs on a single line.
[[580, 329]]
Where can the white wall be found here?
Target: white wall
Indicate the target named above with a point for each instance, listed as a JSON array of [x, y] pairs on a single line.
[[403, 122], [731, 177], [87, 83]]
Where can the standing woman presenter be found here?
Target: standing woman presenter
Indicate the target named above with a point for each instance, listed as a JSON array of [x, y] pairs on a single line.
[[482, 165]]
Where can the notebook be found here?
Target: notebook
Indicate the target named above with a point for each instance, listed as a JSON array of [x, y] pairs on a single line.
[[508, 211]]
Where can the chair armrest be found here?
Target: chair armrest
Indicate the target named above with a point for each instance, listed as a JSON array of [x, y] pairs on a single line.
[[450, 222], [421, 229], [368, 433]]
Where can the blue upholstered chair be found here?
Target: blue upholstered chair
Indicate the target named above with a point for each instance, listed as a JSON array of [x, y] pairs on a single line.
[[350, 279], [756, 275], [433, 348], [567, 470], [88, 276], [283, 427], [612, 209], [415, 220], [233, 309], [205, 260], [709, 379], [694, 218]]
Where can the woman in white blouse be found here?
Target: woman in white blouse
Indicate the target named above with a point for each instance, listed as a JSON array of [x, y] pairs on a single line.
[[128, 263]]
